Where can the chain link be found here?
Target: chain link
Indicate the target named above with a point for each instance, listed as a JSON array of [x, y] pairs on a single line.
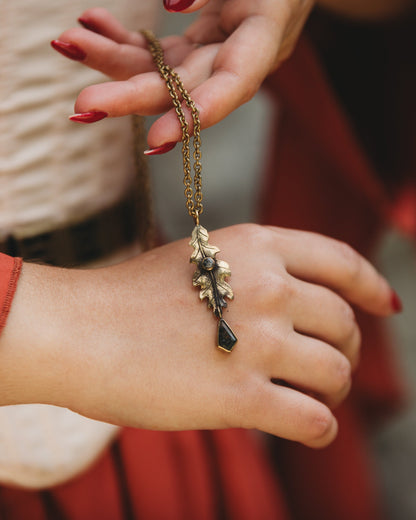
[[178, 92]]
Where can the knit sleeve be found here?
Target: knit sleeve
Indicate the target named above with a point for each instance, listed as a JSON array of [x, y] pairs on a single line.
[[9, 274]]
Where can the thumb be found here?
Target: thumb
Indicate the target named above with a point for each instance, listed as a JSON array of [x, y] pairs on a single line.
[[184, 6]]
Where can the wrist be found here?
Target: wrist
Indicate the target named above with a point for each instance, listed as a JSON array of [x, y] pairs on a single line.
[[30, 361]]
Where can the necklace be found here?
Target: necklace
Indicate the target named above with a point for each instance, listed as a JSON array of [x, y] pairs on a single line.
[[211, 273]]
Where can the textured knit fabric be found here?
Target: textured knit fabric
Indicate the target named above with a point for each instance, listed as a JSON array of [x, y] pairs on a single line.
[[53, 171]]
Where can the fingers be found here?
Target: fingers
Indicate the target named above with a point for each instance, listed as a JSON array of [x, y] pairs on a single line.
[[312, 366], [101, 21], [321, 313], [219, 77], [117, 60], [122, 59], [237, 73], [287, 413], [146, 93], [334, 264], [218, 85], [305, 363]]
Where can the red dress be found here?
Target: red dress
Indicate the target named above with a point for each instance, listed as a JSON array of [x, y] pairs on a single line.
[[318, 179]]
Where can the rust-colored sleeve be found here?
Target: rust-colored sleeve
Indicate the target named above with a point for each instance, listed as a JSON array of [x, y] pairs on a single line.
[[9, 274]]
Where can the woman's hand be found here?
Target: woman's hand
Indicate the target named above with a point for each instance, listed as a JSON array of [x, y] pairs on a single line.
[[133, 345], [222, 59]]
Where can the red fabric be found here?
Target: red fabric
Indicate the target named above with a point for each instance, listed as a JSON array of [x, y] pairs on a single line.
[[334, 483], [9, 274], [19, 505], [94, 494], [403, 213], [248, 485], [175, 476], [198, 472]]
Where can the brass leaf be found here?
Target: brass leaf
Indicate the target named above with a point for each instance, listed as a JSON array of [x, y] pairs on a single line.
[[211, 280]]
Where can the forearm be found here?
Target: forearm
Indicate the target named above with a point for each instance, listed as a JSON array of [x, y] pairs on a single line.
[[368, 9], [30, 367]]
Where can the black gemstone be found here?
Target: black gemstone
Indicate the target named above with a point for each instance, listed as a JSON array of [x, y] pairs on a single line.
[[208, 263], [226, 337]]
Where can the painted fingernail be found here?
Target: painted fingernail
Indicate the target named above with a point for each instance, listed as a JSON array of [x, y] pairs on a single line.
[[89, 24], [396, 302], [174, 6], [69, 50], [167, 147], [88, 117]]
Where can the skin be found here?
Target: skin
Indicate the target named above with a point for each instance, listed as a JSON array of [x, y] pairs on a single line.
[[131, 344]]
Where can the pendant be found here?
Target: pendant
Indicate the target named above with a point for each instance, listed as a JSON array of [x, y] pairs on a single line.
[[210, 275]]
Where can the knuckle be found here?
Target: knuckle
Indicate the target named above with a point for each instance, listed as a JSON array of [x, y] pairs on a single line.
[[277, 283], [343, 375], [347, 312], [351, 261], [355, 350], [350, 326], [254, 234], [284, 287], [272, 342], [320, 425], [83, 99], [350, 335], [273, 288], [250, 90]]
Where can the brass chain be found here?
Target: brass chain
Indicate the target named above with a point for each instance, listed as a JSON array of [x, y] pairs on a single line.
[[177, 92], [142, 187]]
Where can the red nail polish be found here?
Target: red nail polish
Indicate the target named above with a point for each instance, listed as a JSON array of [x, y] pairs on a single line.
[[89, 24], [167, 147], [396, 302], [88, 117], [69, 50], [175, 6]]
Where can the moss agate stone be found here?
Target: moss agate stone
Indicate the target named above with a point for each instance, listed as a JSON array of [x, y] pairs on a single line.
[[226, 337]]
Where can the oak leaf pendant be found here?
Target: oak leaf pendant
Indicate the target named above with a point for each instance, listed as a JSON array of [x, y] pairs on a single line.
[[210, 275]]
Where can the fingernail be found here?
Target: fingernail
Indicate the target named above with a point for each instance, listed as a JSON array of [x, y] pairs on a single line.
[[175, 6], [88, 117], [167, 147], [89, 24], [69, 50], [396, 302]]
